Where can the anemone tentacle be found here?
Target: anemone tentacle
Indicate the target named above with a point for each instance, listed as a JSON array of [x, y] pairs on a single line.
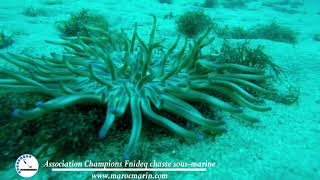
[[123, 74]]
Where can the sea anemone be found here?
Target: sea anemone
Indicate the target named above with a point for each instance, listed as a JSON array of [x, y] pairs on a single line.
[[125, 74]]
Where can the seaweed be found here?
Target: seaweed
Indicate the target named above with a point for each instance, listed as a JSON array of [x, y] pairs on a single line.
[[168, 16], [5, 40], [316, 37], [272, 31], [52, 2], [192, 23], [31, 11], [291, 3], [78, 23], [34, 12], [165, 1], [275, 32], [233, 33], [210, 3], [284, 6], [234, 4], [243, 54], [288, 97]]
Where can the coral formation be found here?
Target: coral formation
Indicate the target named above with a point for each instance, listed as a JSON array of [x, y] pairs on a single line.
[[124, 75]]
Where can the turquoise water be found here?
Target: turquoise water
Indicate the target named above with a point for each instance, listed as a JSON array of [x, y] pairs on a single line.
[[154, 89]]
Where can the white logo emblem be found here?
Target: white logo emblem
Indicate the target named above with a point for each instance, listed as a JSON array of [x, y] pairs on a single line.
[[27, 165]]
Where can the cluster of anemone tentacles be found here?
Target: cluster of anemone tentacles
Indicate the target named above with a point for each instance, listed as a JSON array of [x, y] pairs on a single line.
[[124, 74]]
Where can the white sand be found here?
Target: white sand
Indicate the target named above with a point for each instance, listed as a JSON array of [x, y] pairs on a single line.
[[285, 145]]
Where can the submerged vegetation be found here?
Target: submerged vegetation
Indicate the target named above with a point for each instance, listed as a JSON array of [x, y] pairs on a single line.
[[31, 11], [52, 2], [193, 23], [272, 31], [285, 6], [5, 40], [316, 37], [291, 3], [165, 1], [34, 12], [225, 3], [77, 23], [288, 96], [243, 54], [233, 32], [210, 3], [275, 32], [123, 75], [234, 3]]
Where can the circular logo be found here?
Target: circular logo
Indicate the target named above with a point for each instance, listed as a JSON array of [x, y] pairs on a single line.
[[27, 165]]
